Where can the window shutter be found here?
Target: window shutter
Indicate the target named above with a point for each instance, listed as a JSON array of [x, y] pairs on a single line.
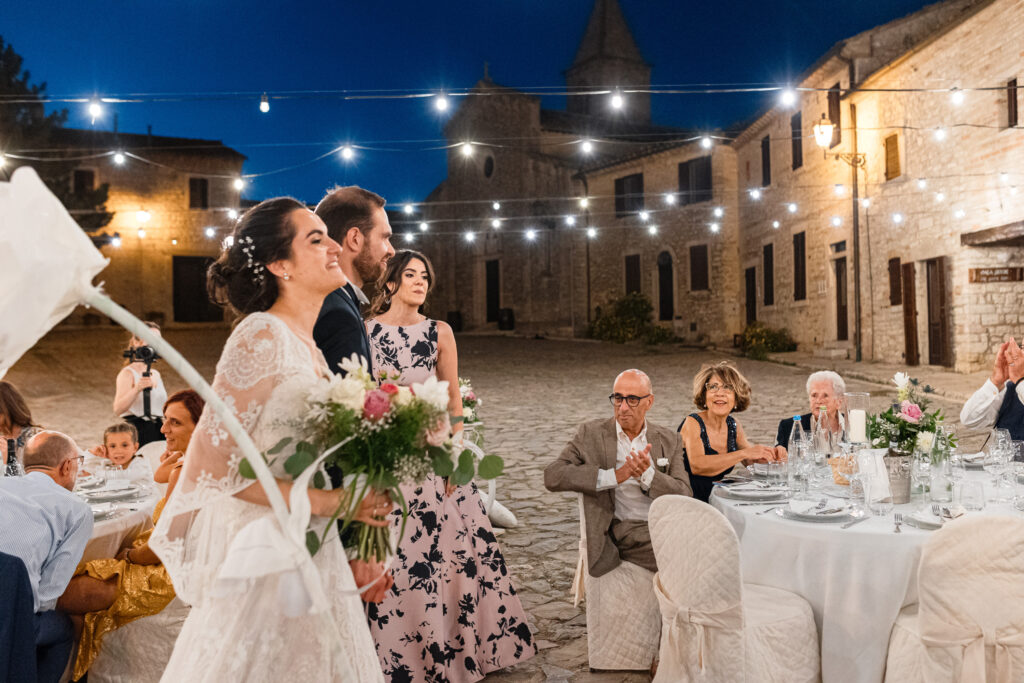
[[895, 286], [892, 157], [766, 161], [1011, 103], [835, 115], [800, 266], [769, 275], [796, 128], [699, 280]]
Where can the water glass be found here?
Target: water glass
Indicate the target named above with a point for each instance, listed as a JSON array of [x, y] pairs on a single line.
[[1018, 451], [777, 473], [971, 495], [957, 467], [1018, 486], [941, 483]]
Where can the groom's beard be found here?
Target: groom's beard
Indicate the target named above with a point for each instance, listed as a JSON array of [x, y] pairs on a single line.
[[368, 269]]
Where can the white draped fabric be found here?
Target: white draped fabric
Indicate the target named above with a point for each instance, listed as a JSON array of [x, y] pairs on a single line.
[[969, 623], [715, 628], [251, 618]]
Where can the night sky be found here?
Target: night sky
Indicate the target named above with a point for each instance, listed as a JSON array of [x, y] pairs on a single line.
[[207, 46]]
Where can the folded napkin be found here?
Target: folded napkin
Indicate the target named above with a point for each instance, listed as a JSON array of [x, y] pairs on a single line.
[[808, 507], [973, 457], [877, 482]]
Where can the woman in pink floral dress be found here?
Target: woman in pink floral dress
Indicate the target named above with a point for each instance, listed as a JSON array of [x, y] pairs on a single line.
[[453, 614]]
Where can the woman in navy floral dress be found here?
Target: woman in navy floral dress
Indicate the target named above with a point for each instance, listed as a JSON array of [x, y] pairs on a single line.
[[453, 614]]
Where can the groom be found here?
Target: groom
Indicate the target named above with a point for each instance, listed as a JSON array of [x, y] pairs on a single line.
[[355, 219]]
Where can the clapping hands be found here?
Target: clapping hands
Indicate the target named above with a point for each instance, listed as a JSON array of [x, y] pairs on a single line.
[[1014, 360], [636, 464]]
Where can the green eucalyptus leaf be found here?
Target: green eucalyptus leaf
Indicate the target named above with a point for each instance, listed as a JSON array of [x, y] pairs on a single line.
[[466, 460], [463, 474], [443, 466], [312, 542], [490, 467], [298, 462], [246, 470], [319, 481], [279, 446]]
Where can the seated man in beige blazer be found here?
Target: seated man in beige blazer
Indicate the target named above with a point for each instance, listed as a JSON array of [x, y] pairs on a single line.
[[620, 465]]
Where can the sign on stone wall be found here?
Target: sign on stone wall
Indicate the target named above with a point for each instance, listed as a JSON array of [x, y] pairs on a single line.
[[996, 275]]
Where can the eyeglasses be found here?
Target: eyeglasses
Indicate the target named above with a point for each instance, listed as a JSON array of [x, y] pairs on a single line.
[[715, 386], [631, 401]]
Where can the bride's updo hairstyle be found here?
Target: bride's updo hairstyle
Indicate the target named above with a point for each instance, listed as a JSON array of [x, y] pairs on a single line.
[[239, 277], [391, 279]]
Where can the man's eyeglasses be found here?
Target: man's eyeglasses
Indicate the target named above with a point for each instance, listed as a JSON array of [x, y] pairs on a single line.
[[631, 401], [715, 386]]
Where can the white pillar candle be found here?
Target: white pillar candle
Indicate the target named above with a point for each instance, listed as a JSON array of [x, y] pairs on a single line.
[[858, 426]]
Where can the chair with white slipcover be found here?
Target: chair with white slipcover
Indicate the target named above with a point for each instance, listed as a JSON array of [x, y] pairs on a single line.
[[968, 624], [152, 452], [714, 626], [623, 621]]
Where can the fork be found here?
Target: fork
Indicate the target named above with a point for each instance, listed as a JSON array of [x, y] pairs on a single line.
[[937, 510], [898, 520]]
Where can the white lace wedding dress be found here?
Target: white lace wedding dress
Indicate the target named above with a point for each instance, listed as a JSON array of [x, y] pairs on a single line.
[[243, 630]]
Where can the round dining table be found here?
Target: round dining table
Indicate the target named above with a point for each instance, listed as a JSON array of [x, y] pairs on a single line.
[[856, 579]]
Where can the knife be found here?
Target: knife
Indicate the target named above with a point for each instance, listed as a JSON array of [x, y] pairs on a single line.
[[855, 521]]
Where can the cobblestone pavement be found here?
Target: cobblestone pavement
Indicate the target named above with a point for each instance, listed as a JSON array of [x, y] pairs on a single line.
[[535, 392]]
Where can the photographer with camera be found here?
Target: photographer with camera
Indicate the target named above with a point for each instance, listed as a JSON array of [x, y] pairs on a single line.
[[140, 390]]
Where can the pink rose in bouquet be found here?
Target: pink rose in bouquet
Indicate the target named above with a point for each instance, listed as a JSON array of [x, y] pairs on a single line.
[[911, 412], [440, 433], [389, 388], [376, 405]]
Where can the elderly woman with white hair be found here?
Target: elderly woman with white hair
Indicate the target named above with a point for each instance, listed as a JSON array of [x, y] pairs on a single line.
[[824, 388]]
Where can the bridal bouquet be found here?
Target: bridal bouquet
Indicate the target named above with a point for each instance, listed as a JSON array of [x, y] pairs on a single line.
[[906, 425], [470, 402], [379, 437]]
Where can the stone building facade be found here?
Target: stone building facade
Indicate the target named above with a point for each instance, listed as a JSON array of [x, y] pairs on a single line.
[[172, 201], [763, 226]]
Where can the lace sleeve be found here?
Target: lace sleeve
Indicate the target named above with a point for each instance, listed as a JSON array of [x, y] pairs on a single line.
[[194, 530]]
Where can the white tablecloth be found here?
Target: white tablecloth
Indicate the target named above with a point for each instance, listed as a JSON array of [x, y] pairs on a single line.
[[111, 534], [855, 579]]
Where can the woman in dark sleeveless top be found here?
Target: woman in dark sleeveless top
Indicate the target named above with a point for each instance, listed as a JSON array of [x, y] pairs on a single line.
[[713, 440]]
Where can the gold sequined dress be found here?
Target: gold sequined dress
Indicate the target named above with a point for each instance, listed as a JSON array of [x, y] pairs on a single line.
[[142, 590]]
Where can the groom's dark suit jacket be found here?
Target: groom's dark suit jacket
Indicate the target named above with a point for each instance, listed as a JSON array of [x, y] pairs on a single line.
[[339, 330]]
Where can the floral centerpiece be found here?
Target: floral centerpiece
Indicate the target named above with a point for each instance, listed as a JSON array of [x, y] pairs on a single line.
[[379, 437], [470, 402], [907, 425]]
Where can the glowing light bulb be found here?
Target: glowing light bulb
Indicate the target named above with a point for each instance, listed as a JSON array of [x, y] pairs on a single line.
[[570, 220], [670, 198], [587, 146], [897, 218], [940, 196], [921, 183], [239, 183], [441, 103], [836, 221], [409, 236], [119, 159], [940, 134], [142, 216], [617, 102], [115, 241], [469, 236], [495, 223], [424, 226], [347, 153], [496, 206], [839, 189], [142, 234], [959, 213], [174, 242], [233, 214], [229, 241], [776, 224], [791, 207], [865, 202], [788, 97], [755, 194], [264, 103], [1004, 177], [591, 233], [95, 110], [584, 203], [467, 149], [210, 232], [957, 96], [714, 227], [644, 216], [531, 234], [718, 212], [652, 230], [705, 142], [408, 209]]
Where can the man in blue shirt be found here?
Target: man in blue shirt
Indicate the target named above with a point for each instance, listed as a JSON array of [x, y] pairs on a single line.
[[47, 527]]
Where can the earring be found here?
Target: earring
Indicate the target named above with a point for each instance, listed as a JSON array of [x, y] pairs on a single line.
[[286, 276]]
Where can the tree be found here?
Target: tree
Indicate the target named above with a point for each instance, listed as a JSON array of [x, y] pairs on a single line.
[[26, 130]]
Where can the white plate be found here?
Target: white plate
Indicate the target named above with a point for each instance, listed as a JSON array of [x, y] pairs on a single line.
[[105, 494], [788, 513], [752, 493]]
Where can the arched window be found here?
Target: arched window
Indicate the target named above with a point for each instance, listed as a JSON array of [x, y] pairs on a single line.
[[666, 291]]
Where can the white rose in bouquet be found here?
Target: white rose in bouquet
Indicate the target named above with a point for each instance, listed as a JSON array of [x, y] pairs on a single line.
[[467, 414], [403, 397], [433, 392], [349, 392]]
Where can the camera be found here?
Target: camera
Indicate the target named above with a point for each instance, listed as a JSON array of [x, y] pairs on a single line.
[[144, 354]]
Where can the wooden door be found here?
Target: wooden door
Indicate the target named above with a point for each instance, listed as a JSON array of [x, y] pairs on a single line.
[[190, 300], [938, 313], [493, 292], [910, 314], [751, 275], [842, 308], [633, 283]]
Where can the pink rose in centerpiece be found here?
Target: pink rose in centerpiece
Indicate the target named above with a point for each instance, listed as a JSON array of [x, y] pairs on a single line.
[[910, 412], [376, 405], [440, 433], [471, 396], [389, 388]]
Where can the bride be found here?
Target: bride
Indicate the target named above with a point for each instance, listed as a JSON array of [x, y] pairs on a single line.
[[277, 272]]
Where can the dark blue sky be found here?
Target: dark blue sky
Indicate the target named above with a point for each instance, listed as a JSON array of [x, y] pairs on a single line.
[[106, 46]]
